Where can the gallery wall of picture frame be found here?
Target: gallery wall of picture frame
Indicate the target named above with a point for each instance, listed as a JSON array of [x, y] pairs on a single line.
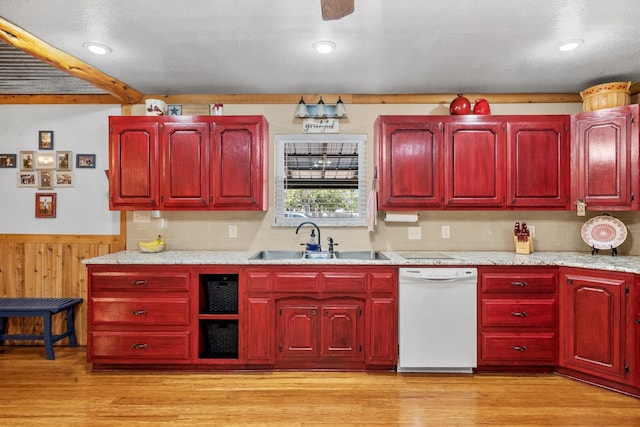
[[46, 169]]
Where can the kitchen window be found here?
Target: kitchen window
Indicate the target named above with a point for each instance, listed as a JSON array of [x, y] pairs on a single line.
[[321, 178]]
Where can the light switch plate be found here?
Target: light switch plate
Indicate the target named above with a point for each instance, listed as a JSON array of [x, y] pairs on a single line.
[[233, 231], [446, 232]]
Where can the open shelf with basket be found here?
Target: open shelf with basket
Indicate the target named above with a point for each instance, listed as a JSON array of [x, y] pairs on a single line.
[[218, 316]]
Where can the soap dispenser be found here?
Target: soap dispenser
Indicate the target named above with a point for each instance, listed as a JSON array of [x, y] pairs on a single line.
[[312, 246]]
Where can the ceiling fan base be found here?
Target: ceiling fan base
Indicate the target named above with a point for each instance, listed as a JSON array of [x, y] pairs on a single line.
[[336, 9]]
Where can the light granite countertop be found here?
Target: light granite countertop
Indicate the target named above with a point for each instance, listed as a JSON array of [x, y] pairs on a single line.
[[629, 264]]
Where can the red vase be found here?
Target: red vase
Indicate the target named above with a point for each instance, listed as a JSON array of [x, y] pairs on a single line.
[[459, 106], [481, 107]]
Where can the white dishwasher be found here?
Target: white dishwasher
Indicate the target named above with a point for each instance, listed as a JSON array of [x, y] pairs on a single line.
[[437, 319]]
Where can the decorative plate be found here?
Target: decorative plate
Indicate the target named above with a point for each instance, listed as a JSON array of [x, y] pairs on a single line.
[[604, 232]]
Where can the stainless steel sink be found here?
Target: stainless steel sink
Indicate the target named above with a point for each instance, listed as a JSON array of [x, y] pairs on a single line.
[[363, 255], [271, 255], [283, 255]]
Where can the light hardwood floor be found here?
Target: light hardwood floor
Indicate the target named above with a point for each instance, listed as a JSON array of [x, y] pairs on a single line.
[[64, 392]]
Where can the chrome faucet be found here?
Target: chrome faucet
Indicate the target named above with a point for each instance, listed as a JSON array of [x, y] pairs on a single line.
[[317, 229]]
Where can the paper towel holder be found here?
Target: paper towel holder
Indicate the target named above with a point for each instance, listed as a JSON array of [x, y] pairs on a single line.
[[400, 217]]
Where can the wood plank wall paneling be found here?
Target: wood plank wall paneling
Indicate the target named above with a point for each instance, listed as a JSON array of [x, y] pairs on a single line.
[[50, 266]]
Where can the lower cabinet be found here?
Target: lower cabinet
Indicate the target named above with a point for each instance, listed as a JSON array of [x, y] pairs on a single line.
[[336, 318], [234, 317], [597, 324], [518, 314], [139, 315]]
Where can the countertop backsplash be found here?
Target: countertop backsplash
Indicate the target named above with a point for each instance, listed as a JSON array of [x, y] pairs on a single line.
[[470, 231]]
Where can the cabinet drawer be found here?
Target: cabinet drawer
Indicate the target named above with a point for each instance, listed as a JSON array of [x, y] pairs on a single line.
[[529, 349], [297, 281], [139, 281], [540, 313], [345, 282], [140, 311], [518, 283], [139, 347]]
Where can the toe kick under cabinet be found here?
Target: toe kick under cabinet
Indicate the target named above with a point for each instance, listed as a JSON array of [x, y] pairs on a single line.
[[235, 317]]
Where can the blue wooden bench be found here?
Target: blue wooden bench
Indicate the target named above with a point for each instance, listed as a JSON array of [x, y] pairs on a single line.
[[39, 307]]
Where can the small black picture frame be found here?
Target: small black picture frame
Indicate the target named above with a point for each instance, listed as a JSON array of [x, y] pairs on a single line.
[[45, 140], [8, 160], [85, 161]]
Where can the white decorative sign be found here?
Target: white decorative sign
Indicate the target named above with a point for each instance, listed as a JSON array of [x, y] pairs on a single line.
[[321, 126]]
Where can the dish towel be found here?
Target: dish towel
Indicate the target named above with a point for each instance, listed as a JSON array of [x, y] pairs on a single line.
[[372, 210]]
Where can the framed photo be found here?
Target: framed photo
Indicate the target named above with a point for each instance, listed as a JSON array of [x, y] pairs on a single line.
[[64, 179], [45, 205], [8, 160], [27, 179], [27, 160], [45, 161], [45, 179], [45, 140], [85, 160], [63, 160]]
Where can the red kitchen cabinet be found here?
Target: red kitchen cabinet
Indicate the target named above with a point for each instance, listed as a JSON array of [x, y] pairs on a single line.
[[518, 318], [474, 162], [596, 326], [133, 164], [320, 329], [185, 168], [239, 174], [188, 163], [605, 158], [138, 315], [409, 153], [538, 162]]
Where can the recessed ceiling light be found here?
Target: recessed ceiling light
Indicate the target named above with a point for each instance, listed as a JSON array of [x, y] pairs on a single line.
[[97, 48], [324, 46], [568, 45]]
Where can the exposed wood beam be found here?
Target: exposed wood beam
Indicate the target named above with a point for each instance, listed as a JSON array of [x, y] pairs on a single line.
[[37, 48], [59, 99]]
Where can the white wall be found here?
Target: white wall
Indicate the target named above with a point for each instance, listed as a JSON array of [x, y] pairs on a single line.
[[81, 209]]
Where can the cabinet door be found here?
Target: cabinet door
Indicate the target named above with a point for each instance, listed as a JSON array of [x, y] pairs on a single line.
[[538, 162], [258, 334], [382, 320], [298, 329], [133, 160], [605, 156], [592, 324], [474, 163], [340, 330], [409, 162], [238, 156], [185, 165]]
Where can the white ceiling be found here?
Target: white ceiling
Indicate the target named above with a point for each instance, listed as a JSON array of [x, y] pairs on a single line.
[[384, 47]]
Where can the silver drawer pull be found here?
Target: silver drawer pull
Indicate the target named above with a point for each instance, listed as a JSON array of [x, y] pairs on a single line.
[[519, 314], [139, 312], [521, 284], [139, 282], [139, 346], [519, 347]]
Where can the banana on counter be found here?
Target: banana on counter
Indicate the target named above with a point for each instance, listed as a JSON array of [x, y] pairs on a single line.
[[156, 245]]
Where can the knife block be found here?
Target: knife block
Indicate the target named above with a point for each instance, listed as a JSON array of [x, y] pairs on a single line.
[[523, 247]]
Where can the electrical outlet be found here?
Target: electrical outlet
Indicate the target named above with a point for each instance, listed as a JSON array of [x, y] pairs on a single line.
[[446, 232], [142, 217], [415, 233], [233, 231], [532, 230], [581, 207]]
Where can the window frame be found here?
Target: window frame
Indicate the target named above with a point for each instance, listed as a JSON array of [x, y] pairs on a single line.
[[281, 140]]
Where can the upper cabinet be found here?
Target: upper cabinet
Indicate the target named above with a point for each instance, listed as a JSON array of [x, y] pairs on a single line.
[[492, 162], [605, 158], [188, 162]]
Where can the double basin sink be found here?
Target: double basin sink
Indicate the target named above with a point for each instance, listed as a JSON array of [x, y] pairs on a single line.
[[291, 255]]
